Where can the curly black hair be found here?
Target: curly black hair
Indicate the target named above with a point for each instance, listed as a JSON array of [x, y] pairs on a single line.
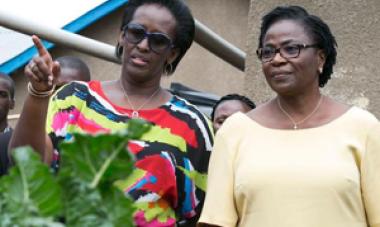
[[184, 34], [237, 97], [317, 29]]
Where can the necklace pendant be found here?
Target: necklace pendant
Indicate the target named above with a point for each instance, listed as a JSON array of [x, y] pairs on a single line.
[[135, 114], [295, 127]]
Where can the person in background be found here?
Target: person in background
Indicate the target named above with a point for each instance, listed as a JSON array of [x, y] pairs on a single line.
[[228, 105], [154, 36], [7, 102], [301, 158], [72, 69]]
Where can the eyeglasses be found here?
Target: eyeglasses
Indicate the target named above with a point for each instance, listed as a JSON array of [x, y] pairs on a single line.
[[267, 53], [158, 42]]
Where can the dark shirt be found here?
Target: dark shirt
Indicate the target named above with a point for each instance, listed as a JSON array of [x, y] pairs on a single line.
[[4, 159]]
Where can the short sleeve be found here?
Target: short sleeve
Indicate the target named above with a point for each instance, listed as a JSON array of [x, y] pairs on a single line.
[[219, 208], [371, 177], [54, 108], [58, 119]]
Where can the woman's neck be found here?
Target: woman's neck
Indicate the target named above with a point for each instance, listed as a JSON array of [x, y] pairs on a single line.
[[139, 89], [300, 104]]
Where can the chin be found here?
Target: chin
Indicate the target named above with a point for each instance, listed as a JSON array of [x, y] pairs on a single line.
[[282, 88], [139, 76], [133, 70]]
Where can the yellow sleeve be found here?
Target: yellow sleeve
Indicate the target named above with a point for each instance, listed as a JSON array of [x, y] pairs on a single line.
[[371, 177], [219, 207]]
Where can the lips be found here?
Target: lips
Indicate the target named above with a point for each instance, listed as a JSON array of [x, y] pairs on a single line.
[[280, 74], [139, 60]]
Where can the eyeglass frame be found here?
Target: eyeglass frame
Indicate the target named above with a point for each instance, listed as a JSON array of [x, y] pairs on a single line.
[[147, 35], [278, 50]]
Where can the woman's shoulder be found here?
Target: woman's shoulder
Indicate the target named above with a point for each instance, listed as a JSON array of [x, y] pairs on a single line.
[[354, 120], [362, 114], [190, 115], [180, 104], [75, 87], [236, 123]]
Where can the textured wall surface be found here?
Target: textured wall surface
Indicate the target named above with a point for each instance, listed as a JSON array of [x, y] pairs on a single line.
[[356, 27], [199, 69]]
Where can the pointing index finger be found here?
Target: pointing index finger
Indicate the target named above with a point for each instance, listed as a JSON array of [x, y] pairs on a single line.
[[40, 48]]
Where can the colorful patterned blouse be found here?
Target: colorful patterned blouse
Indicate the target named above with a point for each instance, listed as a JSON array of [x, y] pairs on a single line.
[[175, 151]]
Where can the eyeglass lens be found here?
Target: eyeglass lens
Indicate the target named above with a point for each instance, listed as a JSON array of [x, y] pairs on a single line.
[[288, 51], [158, 42]]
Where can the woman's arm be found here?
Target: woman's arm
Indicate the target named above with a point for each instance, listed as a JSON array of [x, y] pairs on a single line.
[[370, 177], [30, 129]]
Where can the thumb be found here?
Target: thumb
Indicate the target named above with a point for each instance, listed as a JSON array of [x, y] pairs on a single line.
[[56, 70]]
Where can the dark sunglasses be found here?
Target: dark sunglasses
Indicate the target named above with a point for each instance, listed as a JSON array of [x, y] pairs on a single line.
[[158, 42]]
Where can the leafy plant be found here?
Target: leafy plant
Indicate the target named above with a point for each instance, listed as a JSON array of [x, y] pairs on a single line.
[[83, 192]]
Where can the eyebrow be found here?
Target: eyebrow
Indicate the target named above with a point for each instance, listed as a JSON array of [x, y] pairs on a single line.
[[282, 43]]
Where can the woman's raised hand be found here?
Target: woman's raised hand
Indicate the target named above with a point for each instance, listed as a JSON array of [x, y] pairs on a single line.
[[42, 71]]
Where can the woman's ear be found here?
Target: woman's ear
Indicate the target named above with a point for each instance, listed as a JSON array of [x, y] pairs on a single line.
[[121, 38], [120, 45], [321, 59], [174, 53], [12, 104]]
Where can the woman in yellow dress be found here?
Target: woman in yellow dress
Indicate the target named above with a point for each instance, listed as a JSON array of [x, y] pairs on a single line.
[[302, 158]]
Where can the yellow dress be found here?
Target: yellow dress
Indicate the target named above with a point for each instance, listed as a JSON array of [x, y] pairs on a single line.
[[327, 176]]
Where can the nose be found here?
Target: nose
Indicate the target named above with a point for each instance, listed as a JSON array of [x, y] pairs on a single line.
[[278, 58], [143, 44]]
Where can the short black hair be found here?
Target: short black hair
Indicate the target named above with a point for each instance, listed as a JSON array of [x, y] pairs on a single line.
[[317, 29], [11, 84], [185, 26], [248, 102], [76, 63]]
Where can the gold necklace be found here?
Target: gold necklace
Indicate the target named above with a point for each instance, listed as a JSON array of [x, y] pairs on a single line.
[[295, 124], [135, 112]]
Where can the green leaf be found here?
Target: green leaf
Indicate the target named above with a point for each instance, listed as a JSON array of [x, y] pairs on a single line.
[[29, 191], [89, 167], [122, 207], [94, 159], [137, 127], [101, 158]]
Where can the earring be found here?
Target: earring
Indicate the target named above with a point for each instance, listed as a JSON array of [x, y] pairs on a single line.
[[118, 50], [168, 69], [320, 70]]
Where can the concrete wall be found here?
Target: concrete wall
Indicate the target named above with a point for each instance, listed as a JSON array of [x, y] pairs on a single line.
[[199, 69], [355, 24]]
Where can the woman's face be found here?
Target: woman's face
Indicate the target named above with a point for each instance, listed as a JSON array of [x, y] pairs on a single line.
[[140, 63], [292, 75], [226, 109]]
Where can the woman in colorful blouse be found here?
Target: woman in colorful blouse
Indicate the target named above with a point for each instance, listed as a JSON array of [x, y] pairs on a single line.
[[154, 36]]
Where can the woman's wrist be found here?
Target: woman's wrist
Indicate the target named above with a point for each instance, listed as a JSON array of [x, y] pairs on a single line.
[[40, 94]]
